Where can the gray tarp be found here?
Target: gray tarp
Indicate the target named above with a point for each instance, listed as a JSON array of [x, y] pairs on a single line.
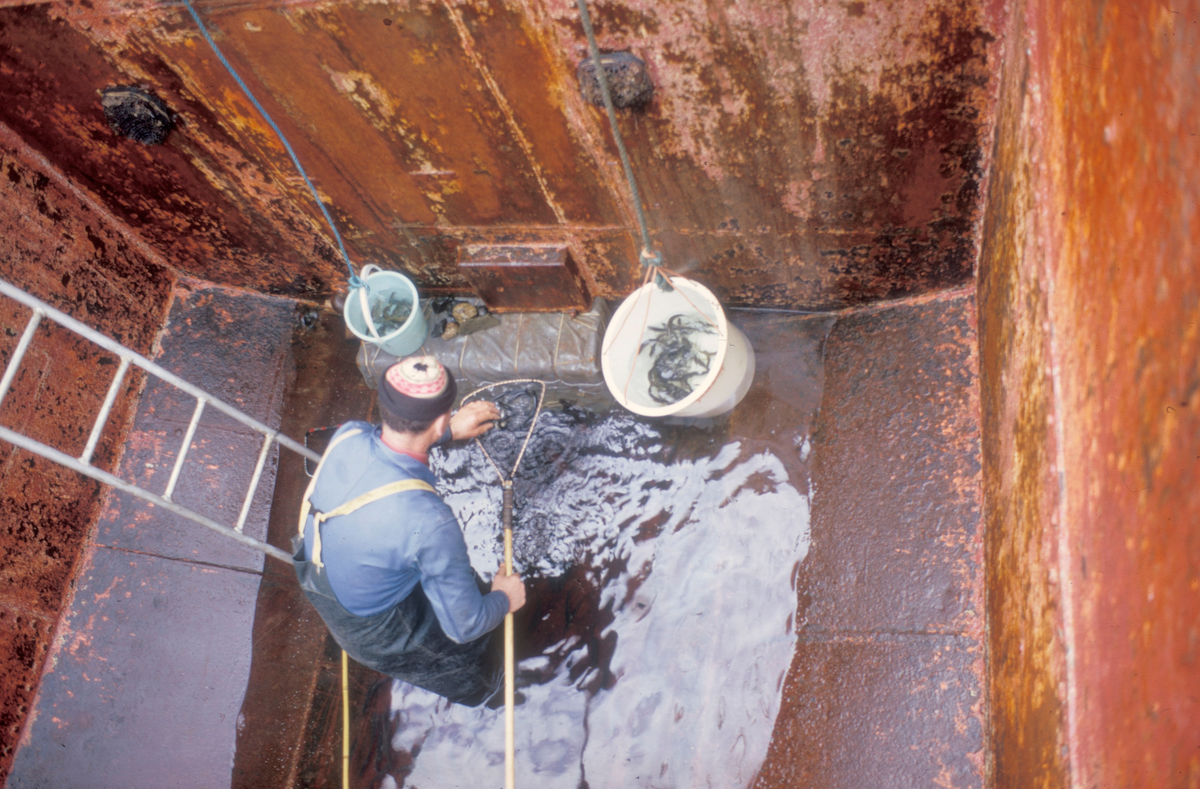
[[562, 350]]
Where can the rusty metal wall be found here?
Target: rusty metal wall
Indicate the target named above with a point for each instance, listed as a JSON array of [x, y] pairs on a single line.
[[1090, 350], [59, 245], [1027, 673], [814, 153], [886, 684]]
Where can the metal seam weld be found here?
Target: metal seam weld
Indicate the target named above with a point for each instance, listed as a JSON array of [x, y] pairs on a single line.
[[509, 116]]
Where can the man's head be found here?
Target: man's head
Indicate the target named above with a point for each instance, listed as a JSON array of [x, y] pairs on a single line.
[[414, 392]]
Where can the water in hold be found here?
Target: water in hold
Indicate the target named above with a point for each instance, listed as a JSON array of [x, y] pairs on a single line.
[[677, 357], [660, 563]]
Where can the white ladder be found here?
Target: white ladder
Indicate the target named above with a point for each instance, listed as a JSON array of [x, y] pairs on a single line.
[[83, 465]]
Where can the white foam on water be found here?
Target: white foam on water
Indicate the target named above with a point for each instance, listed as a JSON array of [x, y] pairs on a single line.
[[702, 617]]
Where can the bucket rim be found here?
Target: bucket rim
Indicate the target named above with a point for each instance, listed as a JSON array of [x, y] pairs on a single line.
[[615, 325], [382, 274]]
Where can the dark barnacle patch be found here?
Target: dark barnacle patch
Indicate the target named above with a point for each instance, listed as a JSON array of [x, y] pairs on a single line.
[[629, 83], [390, 315], [136, 114], [676, 359]]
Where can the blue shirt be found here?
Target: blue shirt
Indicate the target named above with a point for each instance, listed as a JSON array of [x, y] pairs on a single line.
[[376, 555]]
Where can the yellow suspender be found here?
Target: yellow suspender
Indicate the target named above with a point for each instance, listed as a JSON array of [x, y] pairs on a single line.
[[350, 506]]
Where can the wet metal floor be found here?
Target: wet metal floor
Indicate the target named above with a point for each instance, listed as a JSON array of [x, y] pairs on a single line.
[[681, 629], [787, 596], [662, 560], [149, 667], [887, 684]]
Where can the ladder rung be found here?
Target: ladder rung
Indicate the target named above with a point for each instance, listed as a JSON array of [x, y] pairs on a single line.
[[129, 357], [183, 450], [108, 344], [11, 371], [63, 459], [102, 419], [258, 470]]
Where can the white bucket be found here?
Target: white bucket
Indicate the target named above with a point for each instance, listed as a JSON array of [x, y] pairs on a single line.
[[382, 285], [627, 360]]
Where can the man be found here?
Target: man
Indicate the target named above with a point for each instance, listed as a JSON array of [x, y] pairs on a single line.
[[383, 558]]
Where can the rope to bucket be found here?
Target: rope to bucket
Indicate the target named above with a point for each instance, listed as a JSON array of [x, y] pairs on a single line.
[[354, 280], [649, 257]]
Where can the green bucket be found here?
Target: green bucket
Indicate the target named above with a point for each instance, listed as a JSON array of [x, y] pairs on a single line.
[[385, 295]]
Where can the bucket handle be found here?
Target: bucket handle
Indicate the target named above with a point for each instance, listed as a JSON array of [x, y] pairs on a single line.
[[364, 307]]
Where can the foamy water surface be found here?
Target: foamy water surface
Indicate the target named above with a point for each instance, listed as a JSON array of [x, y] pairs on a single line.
[[693, 555]]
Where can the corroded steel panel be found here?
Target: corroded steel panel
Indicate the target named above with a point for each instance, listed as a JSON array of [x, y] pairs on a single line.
[[57, 247], [885, 688], [295, 667], [198, 199], [524, 278], [235, 346], [531, 74], [877, 710], [815, 154], [1124, 112], [133, 698], [24, 642], [1027, 670], [1091, 341], [396, 106], [60, 246], [806, 122], [154, 644]]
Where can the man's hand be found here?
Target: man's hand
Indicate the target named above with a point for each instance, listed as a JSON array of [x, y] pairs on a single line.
[[473, 419], [512, 586]]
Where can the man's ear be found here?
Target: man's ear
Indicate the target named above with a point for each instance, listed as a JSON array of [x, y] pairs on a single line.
[[441, 423]]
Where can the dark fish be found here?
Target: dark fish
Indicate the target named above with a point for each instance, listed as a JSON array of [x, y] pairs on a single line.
[[676, 359], [390, 315]]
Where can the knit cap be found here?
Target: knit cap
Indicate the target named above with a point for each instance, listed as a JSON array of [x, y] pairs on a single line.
[[417, 388]]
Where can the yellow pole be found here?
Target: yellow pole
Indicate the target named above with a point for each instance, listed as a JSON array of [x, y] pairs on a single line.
[[345, 721], [510, 757]]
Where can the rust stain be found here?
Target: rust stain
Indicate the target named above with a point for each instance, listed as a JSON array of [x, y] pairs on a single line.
[[1090, 341], [50, 100], [810, 156], [783, 179], [889, 666], [56, 244], [1126, 303], [1027, 671], [468, 45]]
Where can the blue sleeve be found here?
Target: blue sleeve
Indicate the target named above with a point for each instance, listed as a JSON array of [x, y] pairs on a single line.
[[449, 583]]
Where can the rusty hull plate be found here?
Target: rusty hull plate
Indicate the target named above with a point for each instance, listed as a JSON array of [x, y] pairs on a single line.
[[524, 278], [793, 156]]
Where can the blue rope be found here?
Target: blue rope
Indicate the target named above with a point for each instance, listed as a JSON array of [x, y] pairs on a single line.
[[355, 282]]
